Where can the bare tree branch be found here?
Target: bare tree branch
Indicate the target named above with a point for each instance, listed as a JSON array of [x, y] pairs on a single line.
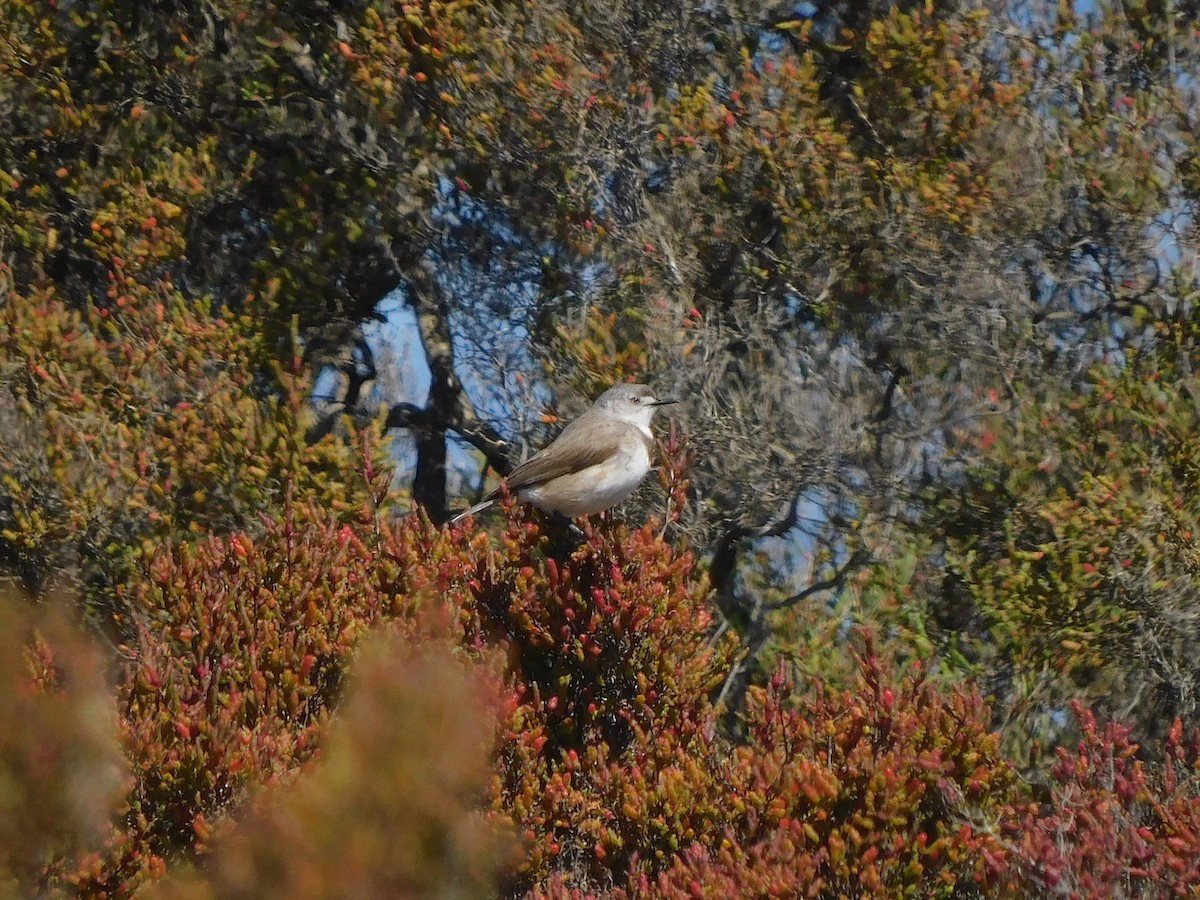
[[834, 582], [500, 454]]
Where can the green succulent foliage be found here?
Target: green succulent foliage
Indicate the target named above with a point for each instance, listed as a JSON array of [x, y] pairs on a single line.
[[1073, 547]]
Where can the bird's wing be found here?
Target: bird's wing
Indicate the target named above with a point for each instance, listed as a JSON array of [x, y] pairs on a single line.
[[592, 441]]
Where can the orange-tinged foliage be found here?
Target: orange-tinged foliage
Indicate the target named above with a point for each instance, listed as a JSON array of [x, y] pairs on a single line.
[[1116, 826], [131, 423], [60, 766], [836, 790], [607, 761], [388, 810]]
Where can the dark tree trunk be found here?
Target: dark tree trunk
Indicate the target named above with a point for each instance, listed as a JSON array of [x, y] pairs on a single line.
[[445, 392]]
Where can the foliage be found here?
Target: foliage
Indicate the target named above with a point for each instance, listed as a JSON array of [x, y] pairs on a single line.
[[60, 766], [1116, 829], [239, 651], [1069, 552], [607, 761], [862, 790], [134, 407], [922, 273], [151, 420], [388, 810]]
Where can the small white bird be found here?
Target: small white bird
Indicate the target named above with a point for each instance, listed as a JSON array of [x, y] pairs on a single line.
[[597, 461]]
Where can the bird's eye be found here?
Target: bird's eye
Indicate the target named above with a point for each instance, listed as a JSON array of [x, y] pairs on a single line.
[[636, 399]]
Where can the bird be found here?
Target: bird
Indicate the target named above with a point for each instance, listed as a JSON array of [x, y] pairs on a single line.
[[594, 464]]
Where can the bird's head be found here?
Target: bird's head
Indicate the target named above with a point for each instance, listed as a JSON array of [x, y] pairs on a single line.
[[633, 403]]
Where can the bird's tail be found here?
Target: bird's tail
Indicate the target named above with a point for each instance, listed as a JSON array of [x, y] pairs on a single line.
[[471, 510]]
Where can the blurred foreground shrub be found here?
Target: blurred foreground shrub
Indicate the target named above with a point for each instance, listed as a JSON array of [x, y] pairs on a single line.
[[60, 764], [391, 808]]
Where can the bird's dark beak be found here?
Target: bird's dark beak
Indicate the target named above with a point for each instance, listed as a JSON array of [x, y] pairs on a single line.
[[665, 401]]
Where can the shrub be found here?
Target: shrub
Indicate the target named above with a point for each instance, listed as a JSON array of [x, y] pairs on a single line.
[[390, 808], [1070, 552], [60, 766], [1111, 825], [612, 768], [154, 421], [240, 646], [606, 760]]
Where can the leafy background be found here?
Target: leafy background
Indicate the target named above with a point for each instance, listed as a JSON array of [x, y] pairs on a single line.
[[912, 610]]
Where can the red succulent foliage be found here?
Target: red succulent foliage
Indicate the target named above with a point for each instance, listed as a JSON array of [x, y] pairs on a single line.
[[1113, 826], [607, 761]]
